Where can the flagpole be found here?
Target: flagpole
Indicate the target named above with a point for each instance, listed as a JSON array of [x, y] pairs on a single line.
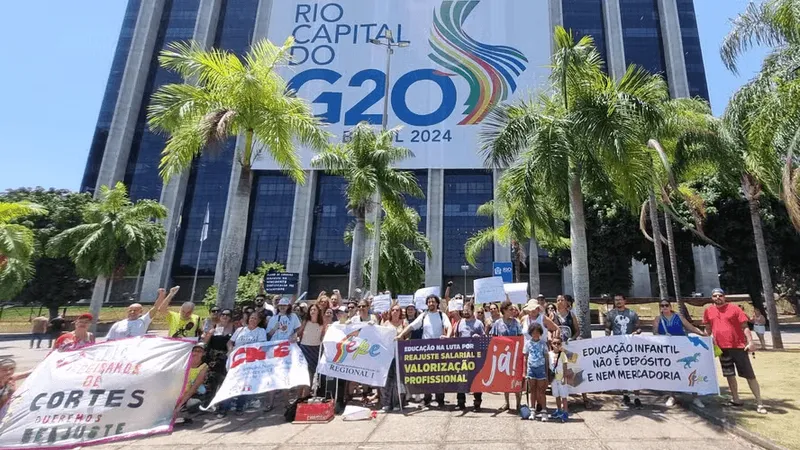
[[203, 237]]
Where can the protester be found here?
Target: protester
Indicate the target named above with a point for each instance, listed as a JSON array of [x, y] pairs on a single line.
[[38, 330], [352, 308], [249, 334], [194, 388], [323, 303], [336, 299], [541, 300], [284, 325], [565, 319], [79, 338], [537, 355], [507, 325], [216, 341], [560, 385], [670, 324], [468, 326], [363, 315], [728, 325], [759, 326], [534, 314], [7, 384], [310, 335], [622, 321], [262, 303], [56, 328], [328, 318], [390, 397], [411, 315], [211, 322], [434, 325], [183, 324], [136, 323]]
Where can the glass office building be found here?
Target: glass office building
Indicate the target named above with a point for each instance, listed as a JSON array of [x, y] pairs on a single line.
[[302, 226]]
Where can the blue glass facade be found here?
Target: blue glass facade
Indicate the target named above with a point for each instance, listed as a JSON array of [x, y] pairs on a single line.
[[420, 205], [329, 254], [211, 172], [141, 175], [464, 192], [585, 18], [110, 97], [270, 218], [641, 35], [693, 54]]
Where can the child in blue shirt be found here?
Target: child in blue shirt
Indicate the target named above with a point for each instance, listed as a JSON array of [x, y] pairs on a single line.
[[536, 351]]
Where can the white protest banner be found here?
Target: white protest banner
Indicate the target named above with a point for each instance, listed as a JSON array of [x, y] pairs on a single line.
[[405, 300], [263, 367], [98, 394], [631, 362], [422, 294], [456, 304], [488, 290], [517, 292], [358, 352], [381, 303]]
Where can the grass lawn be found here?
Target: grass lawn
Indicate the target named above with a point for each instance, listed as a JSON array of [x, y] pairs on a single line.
[[17, 320], [780, 389]]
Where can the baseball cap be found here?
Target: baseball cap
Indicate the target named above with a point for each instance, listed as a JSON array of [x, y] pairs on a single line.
[[717, 291], [341, 309], [86, 316], [284, 302]]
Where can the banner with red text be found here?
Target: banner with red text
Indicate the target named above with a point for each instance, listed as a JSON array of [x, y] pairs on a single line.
[[358, 352], [101, 393], [485, 364], [263, 367]]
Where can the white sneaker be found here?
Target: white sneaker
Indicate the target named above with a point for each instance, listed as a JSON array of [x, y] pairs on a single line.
[[698, 403], [385, 409], [670, 402]]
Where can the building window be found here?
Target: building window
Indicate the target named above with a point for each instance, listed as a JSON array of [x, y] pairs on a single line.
[[110, 96], [464, 192], [141, 176], [211, 171], [641, 35], [693, 54], [329, 254], [586, 18], [420, 205], [270, 219]]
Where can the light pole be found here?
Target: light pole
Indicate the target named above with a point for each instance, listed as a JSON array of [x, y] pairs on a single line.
[[390, 45], [465, 268]]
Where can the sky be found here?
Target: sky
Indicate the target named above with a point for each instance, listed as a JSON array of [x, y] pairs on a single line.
[[58, 55]]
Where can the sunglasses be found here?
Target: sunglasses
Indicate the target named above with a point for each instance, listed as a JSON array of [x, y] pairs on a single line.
[[556, 344], [214, 311], [351, 307], [226, 314], [363, 306], [665, 305]]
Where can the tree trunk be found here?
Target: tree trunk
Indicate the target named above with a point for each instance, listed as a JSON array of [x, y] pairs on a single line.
[[763, 267], [580, 254], [234, 234], [673, 264], [534, 283], [357, 254], [663, 291], [516, 255], [375, 259], [98, 296]]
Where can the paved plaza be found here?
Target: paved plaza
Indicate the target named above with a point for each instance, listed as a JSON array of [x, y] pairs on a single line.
[[606, 427]]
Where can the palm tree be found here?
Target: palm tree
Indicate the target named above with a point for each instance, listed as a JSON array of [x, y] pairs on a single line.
[[366, 163], [401, 241], [526, 213], [681, 117], [117, 238], [231, 97], [17, 245], [586, 131], [772, 23]]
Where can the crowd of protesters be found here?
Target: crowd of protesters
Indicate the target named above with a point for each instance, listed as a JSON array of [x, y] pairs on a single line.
[[546, 328]]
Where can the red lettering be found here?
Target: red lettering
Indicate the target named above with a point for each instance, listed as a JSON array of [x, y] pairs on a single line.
[[281, 350]]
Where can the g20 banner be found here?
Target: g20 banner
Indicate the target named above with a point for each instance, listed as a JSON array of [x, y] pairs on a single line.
[[263, 367], [463, 58], [358, 352], [102, 393], [662, 363], [461, 365]]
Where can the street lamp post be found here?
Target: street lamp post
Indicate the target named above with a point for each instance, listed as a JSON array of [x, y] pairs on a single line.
[[390, 45], [465, 268]]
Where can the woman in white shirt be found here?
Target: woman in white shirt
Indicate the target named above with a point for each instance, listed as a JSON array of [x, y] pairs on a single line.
[[284, 325], [310, 335], [363, 315], [249, 334]]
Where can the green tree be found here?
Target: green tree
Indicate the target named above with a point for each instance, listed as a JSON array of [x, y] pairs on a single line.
[[366, 162], [771, 23], [116, 238], [230, 97], [526, 214], [247, 286], [587, 131], [17, 245], [55, 281]]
